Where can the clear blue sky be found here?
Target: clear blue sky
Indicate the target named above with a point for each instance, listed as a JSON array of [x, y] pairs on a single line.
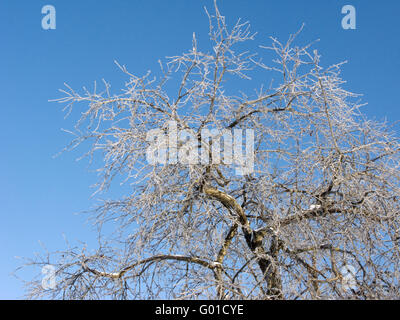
[[39, 194]]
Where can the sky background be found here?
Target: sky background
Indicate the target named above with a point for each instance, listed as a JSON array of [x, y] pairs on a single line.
[[40, 195]]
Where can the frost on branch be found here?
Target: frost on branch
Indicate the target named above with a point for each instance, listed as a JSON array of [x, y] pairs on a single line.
[[323, 193]]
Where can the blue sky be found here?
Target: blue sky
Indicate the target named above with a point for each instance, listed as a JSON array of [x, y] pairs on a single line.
[[39, 194]]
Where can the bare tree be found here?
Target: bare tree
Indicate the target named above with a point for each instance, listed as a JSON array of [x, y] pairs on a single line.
[[317, 218]]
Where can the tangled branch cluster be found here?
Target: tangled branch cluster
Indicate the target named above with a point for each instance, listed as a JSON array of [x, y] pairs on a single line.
[[323, 194]]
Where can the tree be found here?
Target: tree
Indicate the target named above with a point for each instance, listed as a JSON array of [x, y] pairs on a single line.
[[314, 217]]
